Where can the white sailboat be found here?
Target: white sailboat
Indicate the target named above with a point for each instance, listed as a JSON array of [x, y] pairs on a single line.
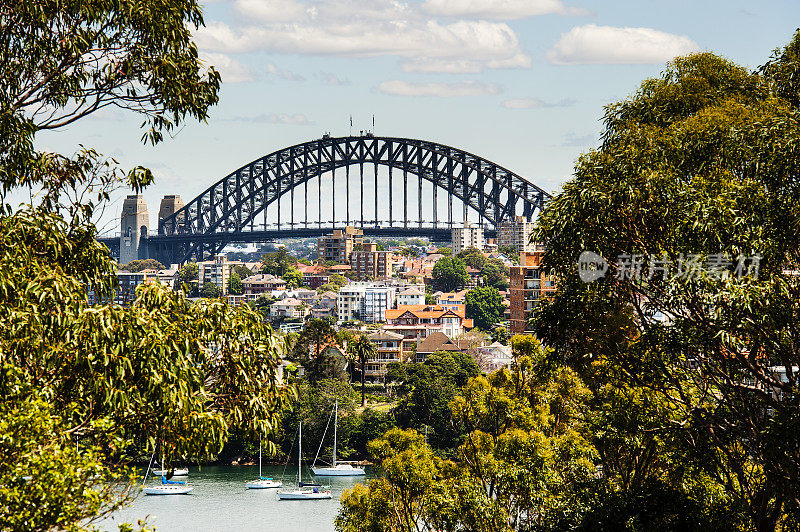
[[304, 491], [262, 482], [180, 472], [168, 487], [336, 470]]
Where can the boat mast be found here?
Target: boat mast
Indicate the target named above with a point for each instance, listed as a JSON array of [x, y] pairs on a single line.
[[335, 425], [259, 458], [299, 451]]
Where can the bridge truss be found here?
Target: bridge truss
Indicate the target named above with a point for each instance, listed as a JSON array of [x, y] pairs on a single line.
[[246, 205]]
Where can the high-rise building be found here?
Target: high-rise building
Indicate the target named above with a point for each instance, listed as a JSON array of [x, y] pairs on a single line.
[[367, 302], [135, 223], [370, 264], [338, 246], [516, 233], [217, 271], [529, 286], [468, 236]]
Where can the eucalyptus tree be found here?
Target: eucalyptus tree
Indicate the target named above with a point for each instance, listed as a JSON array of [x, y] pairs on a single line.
[[676, 248]]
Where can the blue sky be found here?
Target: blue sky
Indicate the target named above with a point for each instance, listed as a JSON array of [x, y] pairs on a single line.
[[520, 82]]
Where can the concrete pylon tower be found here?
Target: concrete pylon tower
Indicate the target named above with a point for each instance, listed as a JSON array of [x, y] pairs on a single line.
[[135, 225], [170, 204]]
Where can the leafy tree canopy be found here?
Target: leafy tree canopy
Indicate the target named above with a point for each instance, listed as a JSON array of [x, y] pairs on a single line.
[[699, 165], [484, 305], [278, 263], [135, 266], [449, 274]]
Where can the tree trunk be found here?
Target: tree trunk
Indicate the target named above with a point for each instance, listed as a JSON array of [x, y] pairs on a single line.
[[363, 374]]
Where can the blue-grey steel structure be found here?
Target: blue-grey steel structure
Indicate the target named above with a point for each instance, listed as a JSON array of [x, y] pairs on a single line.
[[235, 208]]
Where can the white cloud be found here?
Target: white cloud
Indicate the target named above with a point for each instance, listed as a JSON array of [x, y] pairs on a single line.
[[281, 73], [535, 103], [231, 70], [378, 28], [592, 44], [270, 10], [499, 9], [273, 118], [333, 79], [441, 90]]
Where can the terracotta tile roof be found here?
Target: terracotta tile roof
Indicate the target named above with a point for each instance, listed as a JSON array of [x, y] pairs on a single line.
[[424, 311], [437, 342]]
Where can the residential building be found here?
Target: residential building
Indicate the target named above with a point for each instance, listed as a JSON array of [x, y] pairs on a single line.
[[437, 341], [468, 236], [314, 276], [367, 302], [370, 264], [235, 300], [288, 308], [529, 285], [127, 283], [516, 233], [410, 296], [339, 245], [493, 357], [389, 347], [217, 271], [263, 283], [451, 300], [417, 322]]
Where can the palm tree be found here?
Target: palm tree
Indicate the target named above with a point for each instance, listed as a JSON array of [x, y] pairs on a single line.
[[362, 350]]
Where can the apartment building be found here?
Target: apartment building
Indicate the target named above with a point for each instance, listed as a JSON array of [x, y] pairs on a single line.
[[410, 296], [217, 271], [529, 285], [263, 283], [370, 264], [338, 246], [516, 233], [468, 236], [367, 302], [288, 308]]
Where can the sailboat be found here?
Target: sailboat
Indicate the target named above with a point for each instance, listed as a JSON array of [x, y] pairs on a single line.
[[336, 470], [167, 487], [178, 472], [304, 491], [262, 482]]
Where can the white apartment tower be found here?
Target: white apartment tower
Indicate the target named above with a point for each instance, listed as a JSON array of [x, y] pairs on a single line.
[[469, 236]]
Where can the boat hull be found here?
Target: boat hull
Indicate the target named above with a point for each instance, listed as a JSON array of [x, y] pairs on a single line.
[[167, 490], [262, 484], [337, 471], [303, 495], [177, 473]]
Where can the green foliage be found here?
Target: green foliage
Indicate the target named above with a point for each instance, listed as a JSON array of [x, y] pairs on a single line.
[[495, 274], [362, 350], [211, 291], [189, 272], [485, 306], [426, 390], [135, 266], [473, 257], [242, 271], [142, 59], [449, 274], [235, 286], [700, 161], [278, 263], [309, 351], [511, 252], [293, 278], [445, 251]]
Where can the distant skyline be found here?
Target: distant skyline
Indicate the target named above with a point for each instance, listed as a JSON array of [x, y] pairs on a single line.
[[520, 82]]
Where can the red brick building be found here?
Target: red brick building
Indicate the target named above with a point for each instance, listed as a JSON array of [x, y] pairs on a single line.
[[529, 285]]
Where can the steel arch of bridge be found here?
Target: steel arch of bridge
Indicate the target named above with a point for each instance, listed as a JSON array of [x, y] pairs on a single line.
[[228, 210]]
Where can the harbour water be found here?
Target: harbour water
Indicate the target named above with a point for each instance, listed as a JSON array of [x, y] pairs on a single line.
[[220, 502]]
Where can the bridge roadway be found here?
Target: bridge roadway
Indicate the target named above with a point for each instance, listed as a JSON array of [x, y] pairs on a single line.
[[156, 242]]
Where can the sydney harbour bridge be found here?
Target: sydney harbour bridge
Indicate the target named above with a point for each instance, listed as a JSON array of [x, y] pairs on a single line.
[[293, 192]]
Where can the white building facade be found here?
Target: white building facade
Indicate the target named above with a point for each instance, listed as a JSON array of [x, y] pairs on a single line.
[[468, 236]]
